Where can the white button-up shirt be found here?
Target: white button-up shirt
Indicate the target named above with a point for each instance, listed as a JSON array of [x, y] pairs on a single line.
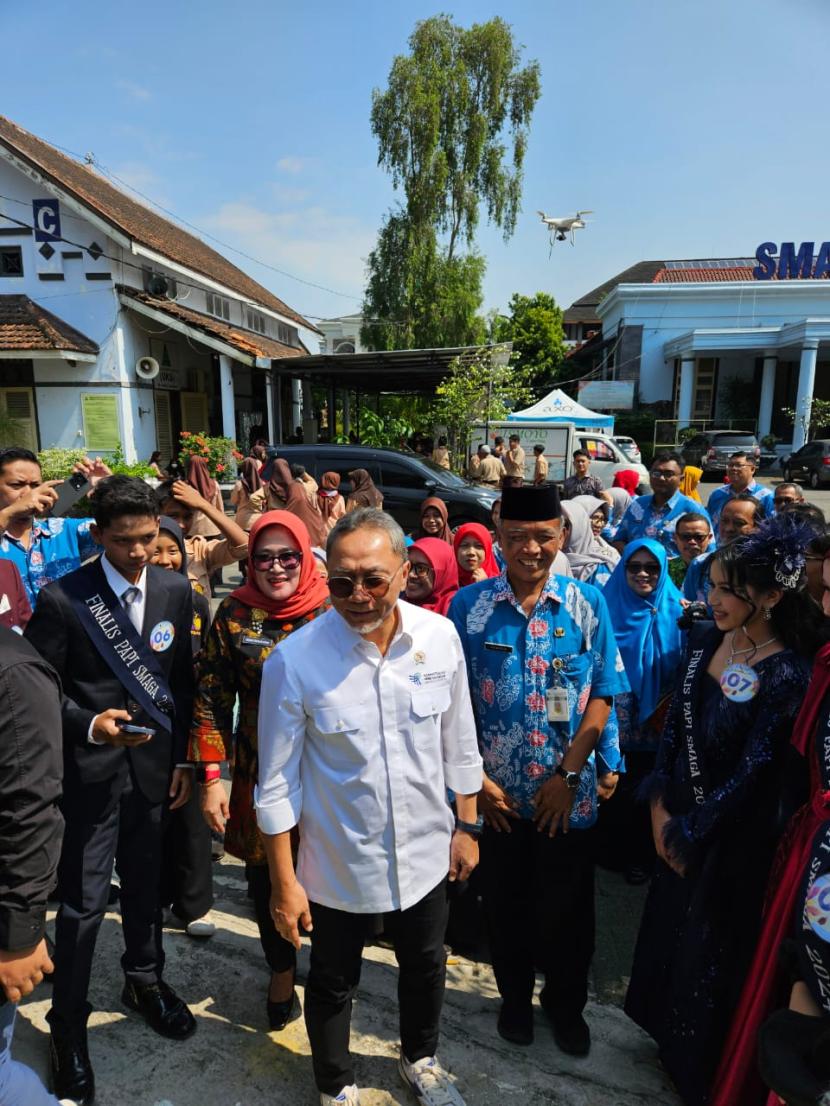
[[119, 584], [359, 750]]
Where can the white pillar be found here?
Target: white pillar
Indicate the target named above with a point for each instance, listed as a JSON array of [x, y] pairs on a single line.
[[806, 383], [226, 388], [296, 405], [767, 393], [269, 407], [687, 383]]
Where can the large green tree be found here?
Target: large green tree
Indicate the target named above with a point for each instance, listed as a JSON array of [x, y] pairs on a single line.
[[452, 130], [534, 326]]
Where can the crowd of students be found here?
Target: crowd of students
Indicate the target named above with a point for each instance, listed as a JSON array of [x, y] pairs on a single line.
[[630, 664]]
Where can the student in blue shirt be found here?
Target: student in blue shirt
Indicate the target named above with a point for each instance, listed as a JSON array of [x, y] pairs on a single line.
[[655, 516], [43, 549], [740, 468], [543, 667]]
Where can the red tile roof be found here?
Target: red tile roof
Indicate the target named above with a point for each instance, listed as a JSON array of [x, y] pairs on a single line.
[[246, 341], [26, 326], [136, 221], [698, 276]]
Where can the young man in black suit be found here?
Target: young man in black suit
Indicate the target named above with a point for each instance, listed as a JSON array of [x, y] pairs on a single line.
[[117, 631]]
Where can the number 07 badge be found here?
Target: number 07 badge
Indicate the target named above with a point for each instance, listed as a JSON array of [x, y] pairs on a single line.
[[739, 683]]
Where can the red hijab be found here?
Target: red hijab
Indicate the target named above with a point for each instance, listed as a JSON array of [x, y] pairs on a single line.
[[627, 479], [312, 590], [482, 535], [199, 477], [445, 533], [445, 572]]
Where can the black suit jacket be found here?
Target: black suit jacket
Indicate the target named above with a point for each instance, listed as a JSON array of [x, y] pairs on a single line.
[[90, 687]]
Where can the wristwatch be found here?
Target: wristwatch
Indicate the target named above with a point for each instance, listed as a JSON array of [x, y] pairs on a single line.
[[570, 778], [475, 828]]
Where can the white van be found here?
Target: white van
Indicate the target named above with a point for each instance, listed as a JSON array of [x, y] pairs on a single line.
[[560, 441]]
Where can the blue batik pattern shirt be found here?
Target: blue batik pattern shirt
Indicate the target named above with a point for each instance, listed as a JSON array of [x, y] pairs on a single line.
[[721, 496], [58, 546], [512, 661], [643, 520]]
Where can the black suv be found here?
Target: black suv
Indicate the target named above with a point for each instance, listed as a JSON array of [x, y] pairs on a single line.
[[810, 463], [712, 449], [405, 479]]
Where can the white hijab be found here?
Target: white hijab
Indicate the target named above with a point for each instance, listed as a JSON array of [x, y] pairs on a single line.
[[583, 550]]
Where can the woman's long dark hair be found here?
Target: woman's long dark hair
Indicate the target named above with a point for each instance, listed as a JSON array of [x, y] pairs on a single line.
[[752, 562]]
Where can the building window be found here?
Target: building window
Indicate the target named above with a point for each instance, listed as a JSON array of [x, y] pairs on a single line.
[[11, 261], [288, 335], [218, 306], [255, 320]]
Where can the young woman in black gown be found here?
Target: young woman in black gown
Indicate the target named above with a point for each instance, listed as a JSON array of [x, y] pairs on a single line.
[[715, 798]]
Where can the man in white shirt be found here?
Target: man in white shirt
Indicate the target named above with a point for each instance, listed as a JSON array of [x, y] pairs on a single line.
[[365, 721]]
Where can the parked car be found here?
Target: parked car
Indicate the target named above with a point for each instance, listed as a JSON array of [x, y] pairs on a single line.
[[810, 463], [712, 449], [405, 479], [629, 448]]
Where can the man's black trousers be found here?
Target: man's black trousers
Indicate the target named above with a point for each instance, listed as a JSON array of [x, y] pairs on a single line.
[[106, 821], [336, 948], [539, 902]]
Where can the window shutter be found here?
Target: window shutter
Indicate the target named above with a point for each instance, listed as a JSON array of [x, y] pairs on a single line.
[[164, 427], [194, 412], [18, 404]]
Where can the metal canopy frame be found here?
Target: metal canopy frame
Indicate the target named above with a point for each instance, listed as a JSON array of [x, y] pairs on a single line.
[[401, 371]]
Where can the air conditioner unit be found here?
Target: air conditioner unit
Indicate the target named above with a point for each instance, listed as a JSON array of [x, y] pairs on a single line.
[[157, 284], [146, 368]]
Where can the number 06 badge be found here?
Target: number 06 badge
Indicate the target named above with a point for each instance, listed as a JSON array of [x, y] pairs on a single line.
[[739, 683], [161, 636]]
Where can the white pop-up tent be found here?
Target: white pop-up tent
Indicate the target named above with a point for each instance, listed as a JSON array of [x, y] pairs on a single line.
[[558, 407]]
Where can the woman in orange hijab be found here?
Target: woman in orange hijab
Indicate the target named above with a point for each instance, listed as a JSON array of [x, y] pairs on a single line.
[[283, 591]]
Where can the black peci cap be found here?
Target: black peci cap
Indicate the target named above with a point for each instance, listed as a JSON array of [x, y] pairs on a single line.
[[530, 504]]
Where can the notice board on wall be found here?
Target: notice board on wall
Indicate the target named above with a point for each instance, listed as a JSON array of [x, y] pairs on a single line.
[[101, 428]]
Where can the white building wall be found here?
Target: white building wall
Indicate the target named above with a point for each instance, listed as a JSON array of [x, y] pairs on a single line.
[[666, 311]]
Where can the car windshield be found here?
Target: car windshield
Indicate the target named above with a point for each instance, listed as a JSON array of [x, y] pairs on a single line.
[[447, 478]]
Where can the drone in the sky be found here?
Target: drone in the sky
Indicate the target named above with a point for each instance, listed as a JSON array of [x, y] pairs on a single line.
[[560, 227]]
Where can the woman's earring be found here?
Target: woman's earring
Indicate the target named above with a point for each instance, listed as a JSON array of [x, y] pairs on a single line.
[[767, 614]]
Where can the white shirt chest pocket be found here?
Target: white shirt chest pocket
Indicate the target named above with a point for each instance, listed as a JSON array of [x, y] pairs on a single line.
[[427, 702], [344, 732]]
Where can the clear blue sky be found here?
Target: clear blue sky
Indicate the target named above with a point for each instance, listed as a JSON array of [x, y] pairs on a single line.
[[692, 128]]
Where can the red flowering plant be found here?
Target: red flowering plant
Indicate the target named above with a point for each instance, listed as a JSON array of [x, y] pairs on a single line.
[[221, 454]]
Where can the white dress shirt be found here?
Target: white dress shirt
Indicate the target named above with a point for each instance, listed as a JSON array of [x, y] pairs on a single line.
[[135, 611], [359, 750]]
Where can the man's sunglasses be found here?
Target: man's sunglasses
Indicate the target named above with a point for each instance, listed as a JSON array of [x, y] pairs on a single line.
[[341, 587], [288, 559]]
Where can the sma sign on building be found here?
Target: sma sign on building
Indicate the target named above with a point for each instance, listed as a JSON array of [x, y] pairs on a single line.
[[788, 264]]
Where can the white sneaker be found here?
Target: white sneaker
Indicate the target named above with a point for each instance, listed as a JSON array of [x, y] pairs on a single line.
[[349, 1096], [429, 1081], [201, 927]]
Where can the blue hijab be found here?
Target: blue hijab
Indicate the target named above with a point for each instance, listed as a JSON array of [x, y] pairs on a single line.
[[646, 629]]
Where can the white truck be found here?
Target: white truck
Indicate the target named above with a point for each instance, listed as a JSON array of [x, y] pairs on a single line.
[[560, 440]]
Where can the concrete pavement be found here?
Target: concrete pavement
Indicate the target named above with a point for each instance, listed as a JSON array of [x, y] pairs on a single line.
[[233, 1060]]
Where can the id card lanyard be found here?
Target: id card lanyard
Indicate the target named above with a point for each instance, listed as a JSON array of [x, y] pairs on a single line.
[[556, 696]]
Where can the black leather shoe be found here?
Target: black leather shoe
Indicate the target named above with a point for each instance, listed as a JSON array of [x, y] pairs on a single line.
[[570, 1031], [72, 1075], [161, 1008], [515, 1024], [281, 1013]]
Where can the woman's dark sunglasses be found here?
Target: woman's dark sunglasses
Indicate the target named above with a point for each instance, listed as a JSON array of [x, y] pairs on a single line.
[[288, 559], [635, 567], [420, 569]]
